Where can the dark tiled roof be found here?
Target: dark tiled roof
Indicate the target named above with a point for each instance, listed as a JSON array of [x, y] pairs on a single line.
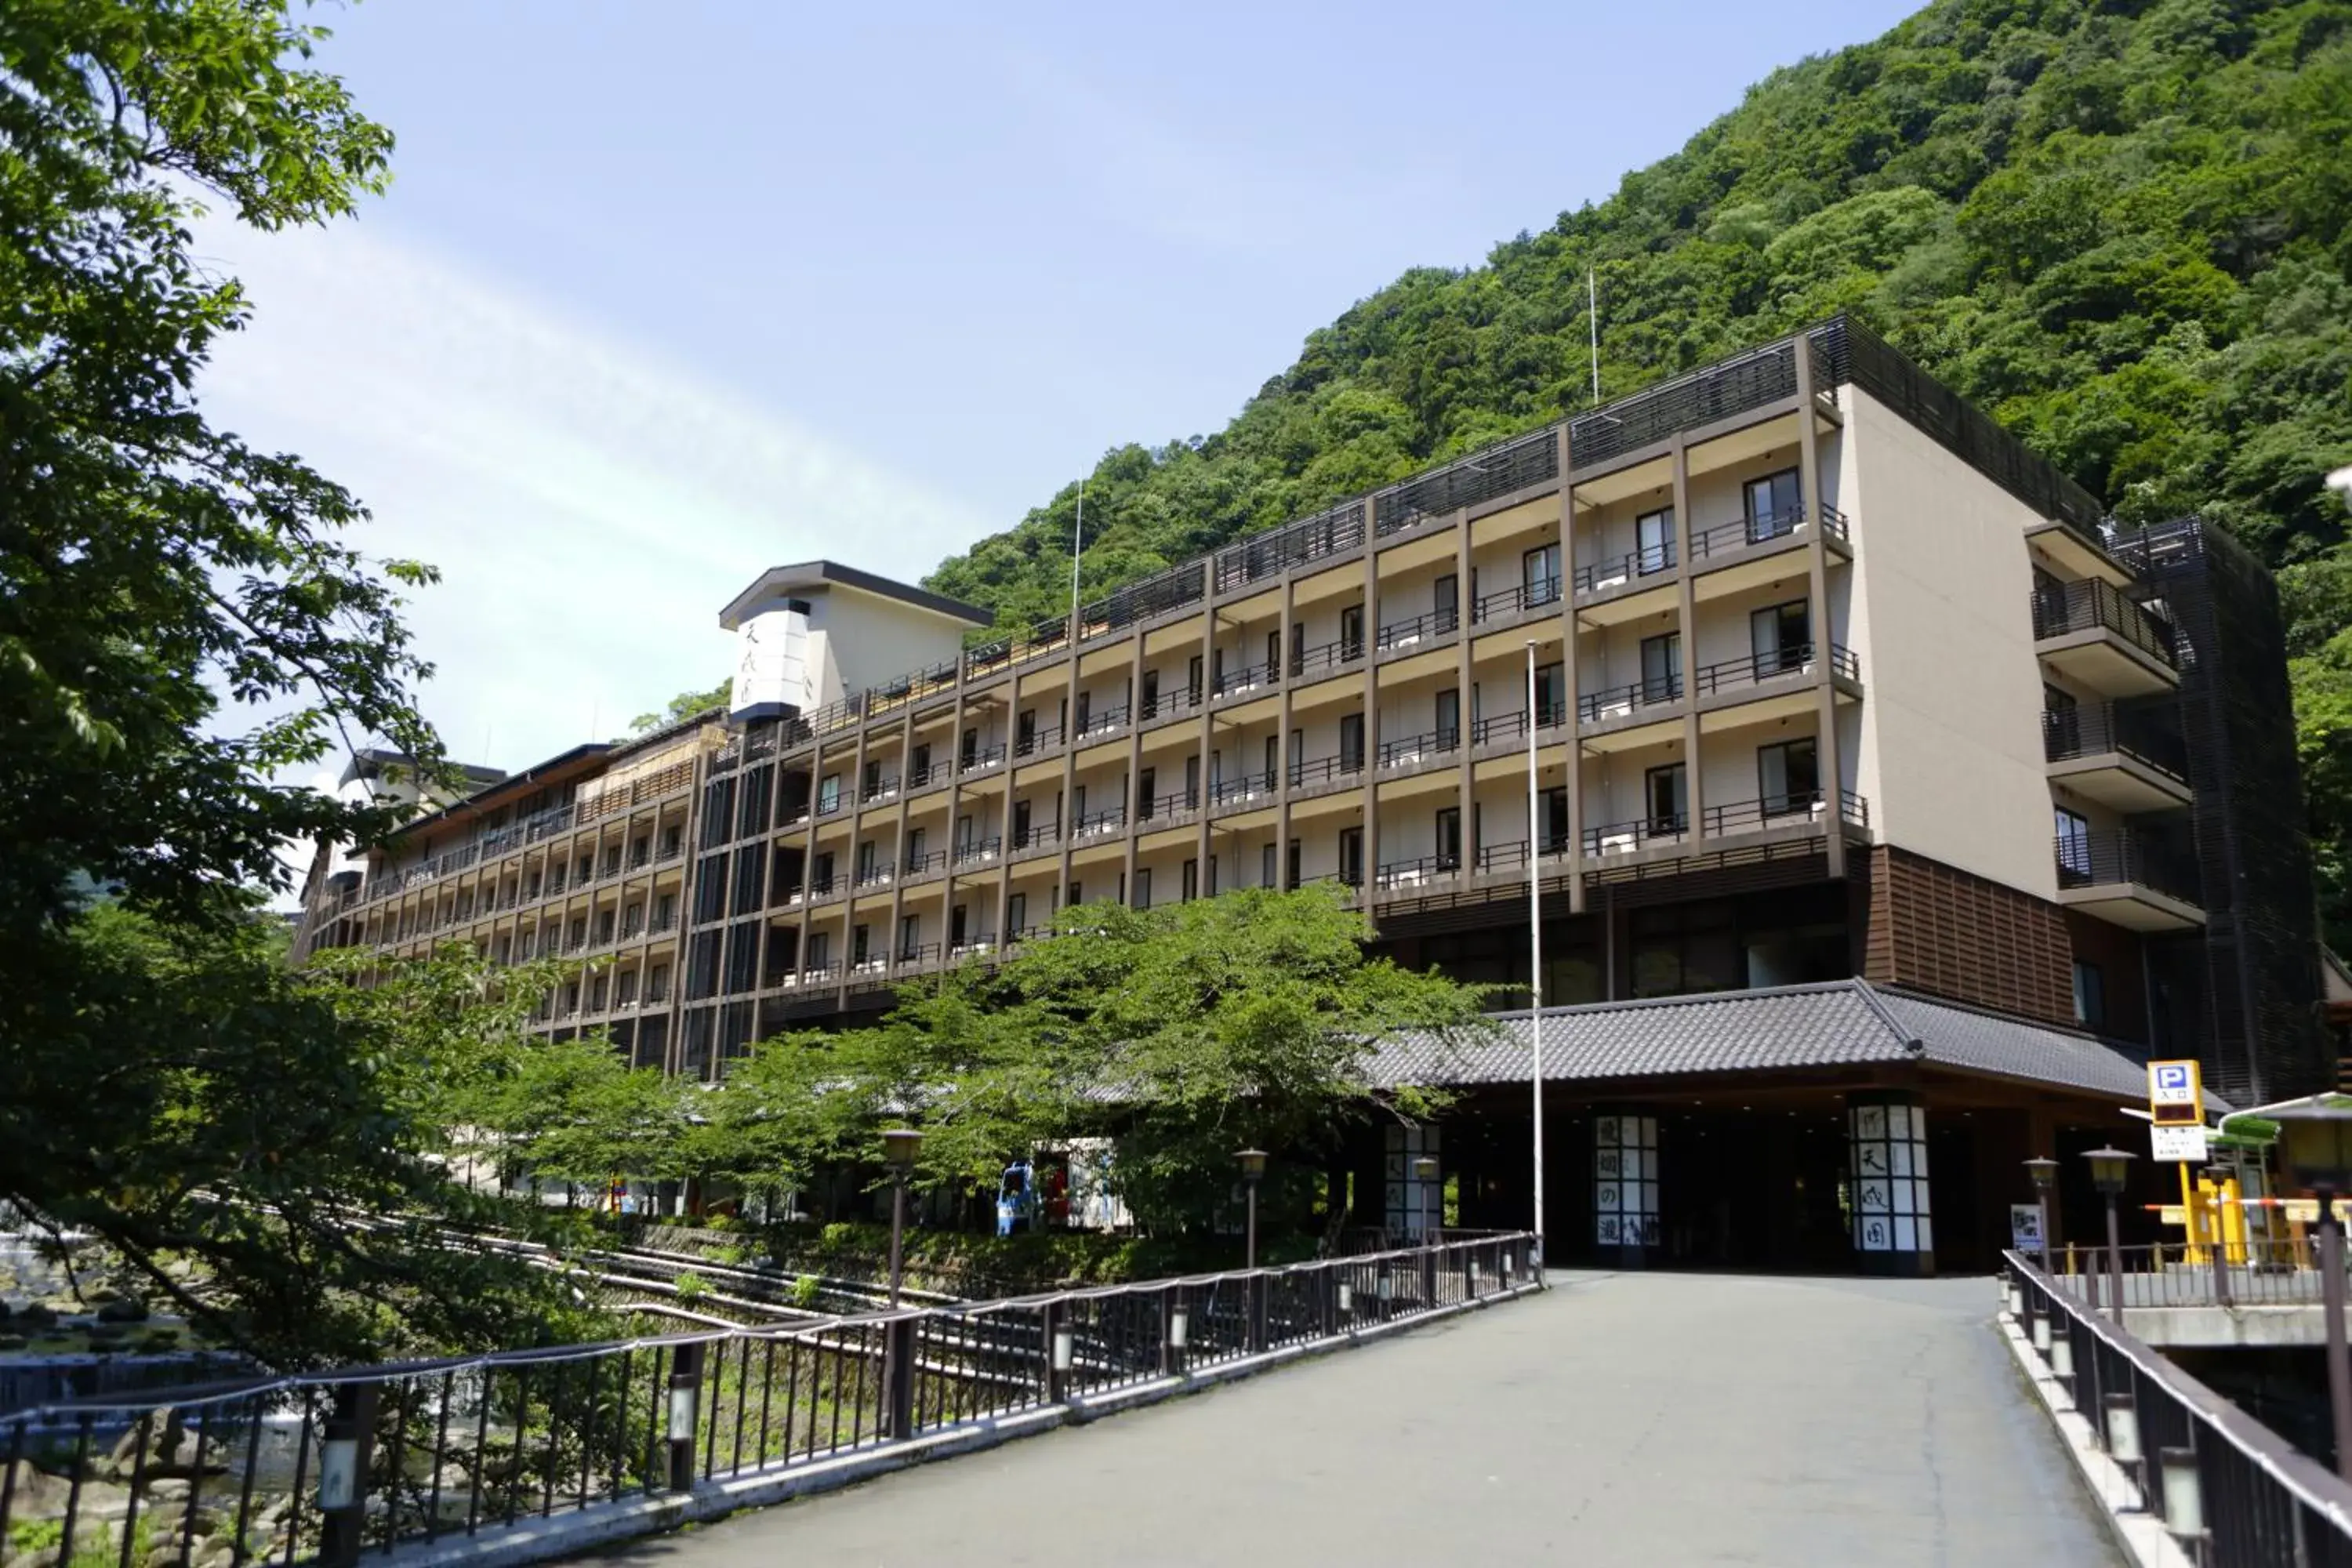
[[1842, 1023]]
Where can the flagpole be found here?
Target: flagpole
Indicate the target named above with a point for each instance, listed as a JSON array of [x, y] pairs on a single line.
[[1077, 536], [1534, 947]]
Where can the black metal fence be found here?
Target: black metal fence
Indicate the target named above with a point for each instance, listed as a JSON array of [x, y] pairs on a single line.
[[331, 1466], [2231, 1492]]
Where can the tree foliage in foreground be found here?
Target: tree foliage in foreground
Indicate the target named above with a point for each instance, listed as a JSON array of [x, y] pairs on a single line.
[[253, 1112], [184, 621], [2124, 228], [1191, 1031]]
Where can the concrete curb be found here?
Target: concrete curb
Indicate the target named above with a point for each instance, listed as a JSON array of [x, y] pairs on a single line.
[[2139, 1532], [604, 1525]]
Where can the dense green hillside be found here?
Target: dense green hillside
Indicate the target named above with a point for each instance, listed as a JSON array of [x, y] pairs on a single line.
[[2125, 228]]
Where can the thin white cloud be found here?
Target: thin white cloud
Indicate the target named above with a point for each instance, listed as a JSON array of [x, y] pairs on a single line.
[[591, 505]]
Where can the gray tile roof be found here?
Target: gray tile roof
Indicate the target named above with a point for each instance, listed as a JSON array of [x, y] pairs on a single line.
[[1838, 1024]]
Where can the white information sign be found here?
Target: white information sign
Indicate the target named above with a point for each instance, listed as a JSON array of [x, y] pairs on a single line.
[[2025, 1226], [2179, 1144]]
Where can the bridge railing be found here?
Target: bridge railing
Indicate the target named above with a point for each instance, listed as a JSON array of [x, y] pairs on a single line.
[[2256, 1272], [2231, 1490], [323, 1467]]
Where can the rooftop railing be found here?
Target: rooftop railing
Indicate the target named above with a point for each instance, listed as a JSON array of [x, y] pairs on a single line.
[[2088, 604]]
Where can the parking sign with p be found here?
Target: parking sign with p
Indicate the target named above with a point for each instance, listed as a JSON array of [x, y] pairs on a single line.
[[2176, 1093]]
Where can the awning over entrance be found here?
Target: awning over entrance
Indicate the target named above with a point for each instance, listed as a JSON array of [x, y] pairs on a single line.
[[1844, 1023]]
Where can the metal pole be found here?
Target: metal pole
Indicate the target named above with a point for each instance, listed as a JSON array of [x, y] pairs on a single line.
[[1534, 926], [1593, 316], [2042, 1200], [2339, 1359], [2115, 1262], [1249, 1255], [898, 1228], [1077, 539], [2221, 1257]]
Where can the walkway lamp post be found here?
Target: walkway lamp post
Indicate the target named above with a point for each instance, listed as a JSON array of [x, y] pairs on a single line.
[[2110, 1170], [2045, 1172], [2315, 1143], [1253, 1172], [899, 1146]]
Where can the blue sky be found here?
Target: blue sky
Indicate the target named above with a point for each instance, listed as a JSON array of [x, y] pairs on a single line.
[[664, 294]]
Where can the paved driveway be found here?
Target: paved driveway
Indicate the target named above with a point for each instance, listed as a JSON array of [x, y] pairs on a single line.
[[1620, 1419]]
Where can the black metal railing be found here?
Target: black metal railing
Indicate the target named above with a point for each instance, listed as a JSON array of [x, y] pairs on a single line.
[[1616, 702], [924, 864], [2090, 730], [1497, 471], [1504, 727], [1623, 837], [1173, 804], [322, 1468], [1246, 677], [1512, 855], [2088, 604], [1617, 569], [876, 875], [1325, 655], [2231, 1492], [2254, 1271], [1773, 664], [978, 851], [1095, 824], [1102, 719], [1407, 750], [1423, 628], [879, 790], [1719, 391], [1155, 595], [1779, 522], [1516, 600], [1036, 839], [1416, 871], [1168, 704], [1043, 738], [1241, 787], [1331, 532], [1314, 772], [2117, 856], [981, 758]]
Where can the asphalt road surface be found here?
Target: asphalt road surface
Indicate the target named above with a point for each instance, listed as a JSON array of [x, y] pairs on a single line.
[[1637, 1419]]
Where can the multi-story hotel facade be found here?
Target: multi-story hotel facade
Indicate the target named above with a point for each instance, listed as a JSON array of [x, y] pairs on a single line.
[[1831, 689]]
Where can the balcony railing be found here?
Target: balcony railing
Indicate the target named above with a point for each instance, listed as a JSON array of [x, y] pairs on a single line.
[[1043, 738], [1248, 678], [1314, 772], [981, 759], [2089, 604], [1243, 787], [2114, 857], [1496, 471], [1094, 824], [1172, 803], [1102, 721], [1514, 726], [1407, 750], [1764, 527], [1169, 703], [1325, 657], [1331, 532], [878, 790], [1414, 872], [1731, 674], [1426, 626], [1507, 602], [2092, 729], [877, 875], [1036, 839], [978, 851], [922, 864], [1617, 701], [1648, 561]]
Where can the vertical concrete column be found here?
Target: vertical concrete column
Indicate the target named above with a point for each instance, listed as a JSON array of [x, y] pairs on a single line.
[[955, 807], [1207, 742], [1886, 1150], [1686, 627], [1370, 869], [1134, 822], [1574, 770], [898, 829], [1004, 833], [1465, 778], [857, 832], [1069, 813], [1284, 760], [1625, 1186], [1817, 566]]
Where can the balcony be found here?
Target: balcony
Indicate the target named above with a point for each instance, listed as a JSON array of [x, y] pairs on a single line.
[[1248, 678], [1507, 605], [979, 852], [1098, 825], [2116, 756], [1170, 810], [980, 760], [1171, 704], [879, 790], [1424, 628], [2099, 640], [1038, 741], [1410, 751], [1504, 728], [1318, 662], [1777, 668], [1320, 776], [916, 867], [1635, 702], [876, 874], [1102, 722], [1421, 871], [2127, 879], [1225, 794]]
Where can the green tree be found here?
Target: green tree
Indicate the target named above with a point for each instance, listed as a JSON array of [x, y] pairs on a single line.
[[183, 622], [208, 1108], [685, 705], [1189, 1031], [574, 1112]]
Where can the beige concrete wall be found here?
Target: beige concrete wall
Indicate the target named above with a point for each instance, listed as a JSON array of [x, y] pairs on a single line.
[[861, 640], [1951, 758]]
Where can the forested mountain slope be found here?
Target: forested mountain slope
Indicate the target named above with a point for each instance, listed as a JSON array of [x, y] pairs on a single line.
[[2126, 229]]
